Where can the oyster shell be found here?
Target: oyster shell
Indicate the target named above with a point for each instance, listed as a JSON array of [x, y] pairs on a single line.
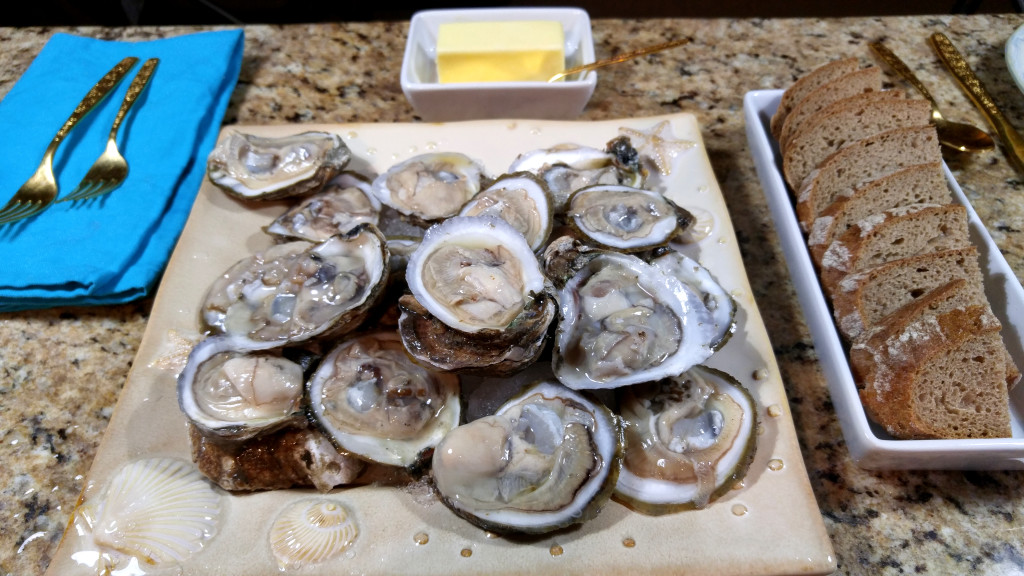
[[545, 460], [719, 303], [430, 187], [342, 204], [257, 168], [520, 199], [568, 167], [625, 218], [689, 439], [624, 321], [372, 400], [296, 291]]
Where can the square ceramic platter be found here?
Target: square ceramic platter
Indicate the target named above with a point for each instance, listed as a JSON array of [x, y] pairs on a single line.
[[869, 444], [768, 525], [438, 102]]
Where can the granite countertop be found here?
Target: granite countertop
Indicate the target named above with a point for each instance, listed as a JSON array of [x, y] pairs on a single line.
[[61, 370]]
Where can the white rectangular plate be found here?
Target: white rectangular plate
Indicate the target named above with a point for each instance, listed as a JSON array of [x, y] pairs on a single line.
[[769, 525], [870, 446]]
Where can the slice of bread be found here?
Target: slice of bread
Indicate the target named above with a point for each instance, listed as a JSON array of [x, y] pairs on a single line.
[[892, 235], [918, 184], [864, 80], [807, 84], [942, 376], [843, 123], [861, 299], [861, 162]]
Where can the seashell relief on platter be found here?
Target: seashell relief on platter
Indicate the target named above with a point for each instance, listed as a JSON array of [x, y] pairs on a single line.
[[527, 342]]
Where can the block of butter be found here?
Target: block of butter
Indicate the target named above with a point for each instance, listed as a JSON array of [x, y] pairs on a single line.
[[507, 51]]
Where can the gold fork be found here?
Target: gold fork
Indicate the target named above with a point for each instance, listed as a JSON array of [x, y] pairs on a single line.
[[40, 190], [110, 169]]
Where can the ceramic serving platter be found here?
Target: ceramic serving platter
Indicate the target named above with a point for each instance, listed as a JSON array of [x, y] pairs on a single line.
[[770, 524], [869, 444]]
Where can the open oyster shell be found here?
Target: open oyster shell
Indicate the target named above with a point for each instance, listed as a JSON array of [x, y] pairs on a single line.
[[545, 460], [372, 400], [296, 291], [520, 199], [257, 168], [341, 205], [625, 218], [716, 299], [429, 187], [689, 439]]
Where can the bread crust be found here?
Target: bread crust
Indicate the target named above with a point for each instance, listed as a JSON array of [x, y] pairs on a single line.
[[806, 84]]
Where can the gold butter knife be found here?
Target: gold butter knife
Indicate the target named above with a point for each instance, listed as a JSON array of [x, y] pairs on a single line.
[[1013, 143]]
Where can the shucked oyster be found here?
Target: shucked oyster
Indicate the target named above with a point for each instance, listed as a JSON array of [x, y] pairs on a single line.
[[429, 187], [293, 292], [545, 460], [374, 401], [624, 321], [342, 204], [566, 168], [625, 218], [256, 168], [689, 439], [520, 199], [479, 301]]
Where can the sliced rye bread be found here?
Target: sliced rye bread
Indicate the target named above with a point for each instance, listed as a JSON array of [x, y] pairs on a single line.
[[892, 235], [861, 162], [858, 82], [846, 122], [807, 84], [861, 299], [918, 184], [943, 376]]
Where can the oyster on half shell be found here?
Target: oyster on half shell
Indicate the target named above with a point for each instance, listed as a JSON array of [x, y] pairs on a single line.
[[689, 439], [342, 204], [520, 199], [258, 168], [625, 218], [429, 187], [545, 460]]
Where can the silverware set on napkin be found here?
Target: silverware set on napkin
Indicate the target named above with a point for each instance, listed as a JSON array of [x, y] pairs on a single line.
[[110, 169]]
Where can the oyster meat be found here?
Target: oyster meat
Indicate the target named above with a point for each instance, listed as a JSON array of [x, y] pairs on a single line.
[[568, 167], [625, 218], [545, 460], [624, 321], [430, 187], [257, 168], [689, 439], [342, 204], [296, 291], [520, 199], [375, 402]]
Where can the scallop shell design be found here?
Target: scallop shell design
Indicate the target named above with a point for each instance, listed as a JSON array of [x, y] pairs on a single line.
[[312, 531], [159, 510]]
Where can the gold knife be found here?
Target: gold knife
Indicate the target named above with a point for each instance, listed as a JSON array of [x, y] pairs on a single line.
[[1013, 143]]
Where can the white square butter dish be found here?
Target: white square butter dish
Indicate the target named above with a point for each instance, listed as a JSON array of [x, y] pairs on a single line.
[[870, 446], [437, 102]]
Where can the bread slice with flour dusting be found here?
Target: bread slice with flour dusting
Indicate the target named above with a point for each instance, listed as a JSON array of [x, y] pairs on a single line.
[[845, 122], [807, 84]]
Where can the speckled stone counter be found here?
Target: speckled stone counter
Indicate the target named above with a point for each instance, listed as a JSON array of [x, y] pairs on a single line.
[[61, 370]]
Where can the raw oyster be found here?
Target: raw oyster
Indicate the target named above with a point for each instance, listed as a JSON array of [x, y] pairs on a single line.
[[257, 168], [715, 298], [689, 439], [625, 218], [231, 389], [342, 204], [568, 167], [545, 460], [624, 321], [296, 291], [479, 301], [520, 199], [430, 187], [374, 401]]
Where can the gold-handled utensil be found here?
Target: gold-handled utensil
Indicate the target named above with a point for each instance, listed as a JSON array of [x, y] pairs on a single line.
[[1013, 144], [41, 188], [955, 135], [110, 169], [619, 58]]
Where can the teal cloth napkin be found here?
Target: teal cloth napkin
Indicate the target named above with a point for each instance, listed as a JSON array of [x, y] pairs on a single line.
[[113, 248]]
